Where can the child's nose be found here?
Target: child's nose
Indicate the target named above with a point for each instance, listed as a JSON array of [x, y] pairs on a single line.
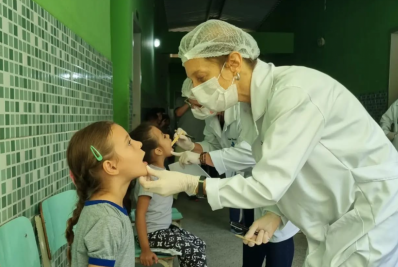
[[137, 143]]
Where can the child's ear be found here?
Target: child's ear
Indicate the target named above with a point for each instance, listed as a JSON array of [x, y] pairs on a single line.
[[158, 152], [110, 167]]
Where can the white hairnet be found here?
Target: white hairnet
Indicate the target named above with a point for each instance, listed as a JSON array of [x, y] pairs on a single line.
[[215, 38], [186, 88]]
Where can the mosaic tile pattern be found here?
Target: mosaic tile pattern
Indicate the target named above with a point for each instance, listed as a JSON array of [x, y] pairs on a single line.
[[52, 83], [375, 103]]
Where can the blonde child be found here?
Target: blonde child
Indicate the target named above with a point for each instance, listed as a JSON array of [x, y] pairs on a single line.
[[103, 160]]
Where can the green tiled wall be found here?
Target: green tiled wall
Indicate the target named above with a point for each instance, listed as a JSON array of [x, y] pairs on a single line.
[[51, 84]]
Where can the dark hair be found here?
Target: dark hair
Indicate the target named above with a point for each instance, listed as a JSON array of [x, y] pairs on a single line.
[[151, 116], [143, 134], [85, 167], [165, 117], [127, 202], [159, 110]]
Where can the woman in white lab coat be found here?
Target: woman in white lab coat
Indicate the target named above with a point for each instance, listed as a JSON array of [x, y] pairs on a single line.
[[226, 147], [221, 133], [389, 123], [322, 162]]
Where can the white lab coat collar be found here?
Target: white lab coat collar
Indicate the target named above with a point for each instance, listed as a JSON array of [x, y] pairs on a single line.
[[261, 85], [230, 116], [214, 124]]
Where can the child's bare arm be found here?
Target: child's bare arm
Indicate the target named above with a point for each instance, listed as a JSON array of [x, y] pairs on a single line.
[[147, 257], [140, 221]]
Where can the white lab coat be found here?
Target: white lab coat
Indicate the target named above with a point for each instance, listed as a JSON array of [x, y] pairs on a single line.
[[324, 164], [229, 147], [230, 151], [391, 118]]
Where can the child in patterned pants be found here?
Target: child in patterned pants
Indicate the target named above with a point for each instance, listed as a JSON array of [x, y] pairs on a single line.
[[154, 212], [192, 247]]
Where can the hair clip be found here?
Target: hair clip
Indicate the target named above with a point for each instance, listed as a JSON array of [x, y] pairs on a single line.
[[96, 154]]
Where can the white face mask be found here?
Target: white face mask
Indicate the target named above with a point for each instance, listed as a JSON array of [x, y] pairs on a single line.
[[213, 96], [202, 113]]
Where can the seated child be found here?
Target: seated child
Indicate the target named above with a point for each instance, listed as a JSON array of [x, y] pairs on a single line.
[[154, 212]]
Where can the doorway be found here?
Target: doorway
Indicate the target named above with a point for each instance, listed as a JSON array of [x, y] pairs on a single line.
[[137, 77], [393, 83]]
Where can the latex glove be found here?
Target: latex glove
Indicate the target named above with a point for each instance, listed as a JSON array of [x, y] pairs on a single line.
[[184, 142], [169, 183], [148, 258], [391, 135], [266, 227], [187, 158]]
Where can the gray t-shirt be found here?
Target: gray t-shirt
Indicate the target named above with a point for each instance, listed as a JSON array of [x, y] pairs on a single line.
[[103, 236], [158, 215], [189, 123]]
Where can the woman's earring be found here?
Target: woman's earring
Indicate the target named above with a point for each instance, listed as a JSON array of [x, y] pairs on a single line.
[[237, 76]]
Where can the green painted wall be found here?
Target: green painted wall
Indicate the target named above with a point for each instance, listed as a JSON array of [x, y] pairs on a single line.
[[146, 19], [121, 40], [161, 59], [357, 35], [90, 19], [282, 19]]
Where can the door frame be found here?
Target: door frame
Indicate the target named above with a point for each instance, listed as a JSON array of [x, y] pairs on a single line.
[[393, 67], [136, 72]]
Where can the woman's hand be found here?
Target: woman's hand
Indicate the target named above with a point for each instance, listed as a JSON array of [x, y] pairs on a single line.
[[187, 158], [266, 227], [169, 183], [184, 142], [148, 258]]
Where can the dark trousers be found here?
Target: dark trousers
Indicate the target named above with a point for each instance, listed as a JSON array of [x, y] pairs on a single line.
[[192, 248], [276, 254], [234, 215]]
